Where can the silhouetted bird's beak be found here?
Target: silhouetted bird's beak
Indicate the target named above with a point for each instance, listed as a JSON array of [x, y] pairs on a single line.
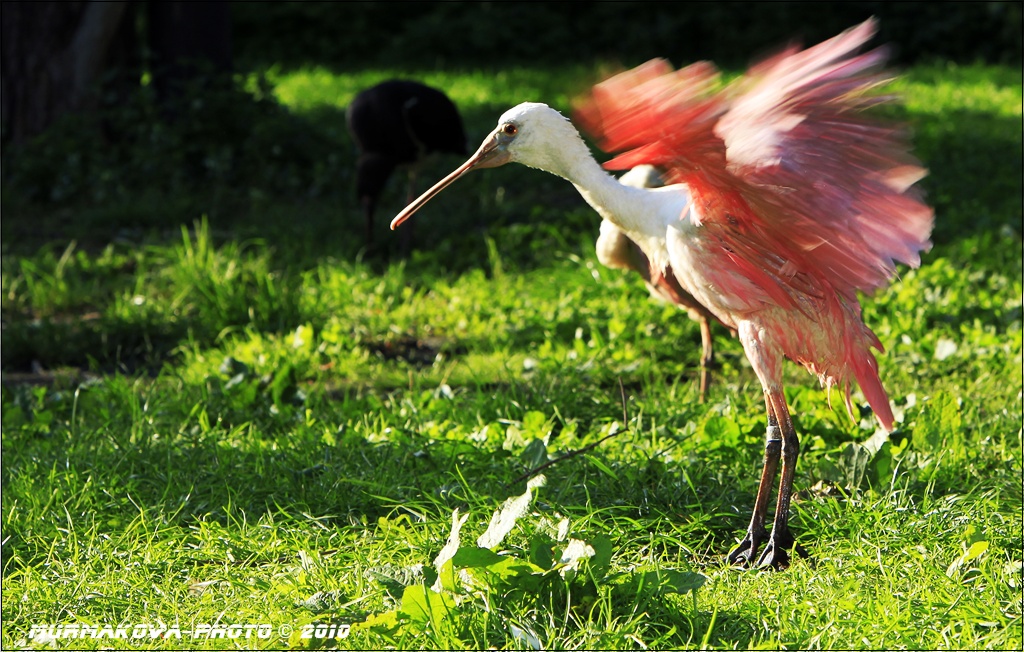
[[492, 153]]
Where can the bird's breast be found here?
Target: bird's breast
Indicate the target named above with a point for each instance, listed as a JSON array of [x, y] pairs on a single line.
[[649, 214], [694, 258]]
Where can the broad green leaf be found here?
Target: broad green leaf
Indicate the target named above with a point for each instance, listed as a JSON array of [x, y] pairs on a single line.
[[602, 559], [541, 551], [473, 557], [396, 579], [721, 431], [423, 605], [509, 574], [683, 581], [882, 465], [976, 550], [973, 535], [664, 581], [383, 623], [535, 454], [854, 464], [536, 424], [939, 418]]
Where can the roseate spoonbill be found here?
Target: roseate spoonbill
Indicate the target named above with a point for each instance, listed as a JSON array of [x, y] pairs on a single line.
[[398, 123], [617, 251], [787, 200]]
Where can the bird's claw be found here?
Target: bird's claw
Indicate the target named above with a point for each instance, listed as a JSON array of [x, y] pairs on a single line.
[[774, 557], [776, 554], [745, 553]]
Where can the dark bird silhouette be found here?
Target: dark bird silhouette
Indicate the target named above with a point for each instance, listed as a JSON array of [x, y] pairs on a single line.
[[398, 123]]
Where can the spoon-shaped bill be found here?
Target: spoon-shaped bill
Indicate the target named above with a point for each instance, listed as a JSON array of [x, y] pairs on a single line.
[[492, 153]]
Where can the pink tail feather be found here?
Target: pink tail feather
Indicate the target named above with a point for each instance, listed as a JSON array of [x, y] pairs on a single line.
[[865, 369]]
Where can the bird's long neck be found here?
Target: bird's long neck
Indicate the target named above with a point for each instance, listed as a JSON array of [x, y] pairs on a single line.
[[626, 207]]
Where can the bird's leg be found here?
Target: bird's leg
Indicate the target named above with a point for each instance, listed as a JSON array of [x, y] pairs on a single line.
[[707, 358], [410, 189], [405, 237], [746, 552], [776, 554], [367, 202]]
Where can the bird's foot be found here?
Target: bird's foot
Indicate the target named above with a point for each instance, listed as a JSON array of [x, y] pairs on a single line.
[[746, 552], [774, 557], [776, 553]]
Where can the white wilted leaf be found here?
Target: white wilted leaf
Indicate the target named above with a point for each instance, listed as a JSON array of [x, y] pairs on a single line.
[[505, 518], [450, 547], [573, 553], [302, 338], [1014, 570], [526, 637], [944, 348], [563, 529]]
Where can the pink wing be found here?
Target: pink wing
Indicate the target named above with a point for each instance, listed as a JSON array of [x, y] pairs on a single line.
[[802, 189]]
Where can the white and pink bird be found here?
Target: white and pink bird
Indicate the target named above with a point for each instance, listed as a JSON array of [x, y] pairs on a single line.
[[786, 202], [617, 251]]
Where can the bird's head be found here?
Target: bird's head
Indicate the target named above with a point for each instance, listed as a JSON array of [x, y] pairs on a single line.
[[531, 133]]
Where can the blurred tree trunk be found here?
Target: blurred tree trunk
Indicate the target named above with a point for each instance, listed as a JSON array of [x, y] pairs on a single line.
[[189, 41], [53, 56]]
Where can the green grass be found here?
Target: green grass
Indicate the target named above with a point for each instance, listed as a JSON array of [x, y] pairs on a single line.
[[218, 409]]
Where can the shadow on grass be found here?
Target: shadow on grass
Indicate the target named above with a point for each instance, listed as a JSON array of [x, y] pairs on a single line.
[[226, 460], [975, 169], [203, 454]]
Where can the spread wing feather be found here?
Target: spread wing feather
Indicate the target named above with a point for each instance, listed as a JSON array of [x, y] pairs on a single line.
[[804, 190]]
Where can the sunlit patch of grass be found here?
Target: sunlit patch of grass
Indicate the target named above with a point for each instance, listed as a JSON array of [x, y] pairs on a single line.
[[318, 87], [939, 88]]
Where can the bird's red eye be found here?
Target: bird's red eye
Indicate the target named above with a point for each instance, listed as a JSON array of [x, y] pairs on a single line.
[[510, 129]]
